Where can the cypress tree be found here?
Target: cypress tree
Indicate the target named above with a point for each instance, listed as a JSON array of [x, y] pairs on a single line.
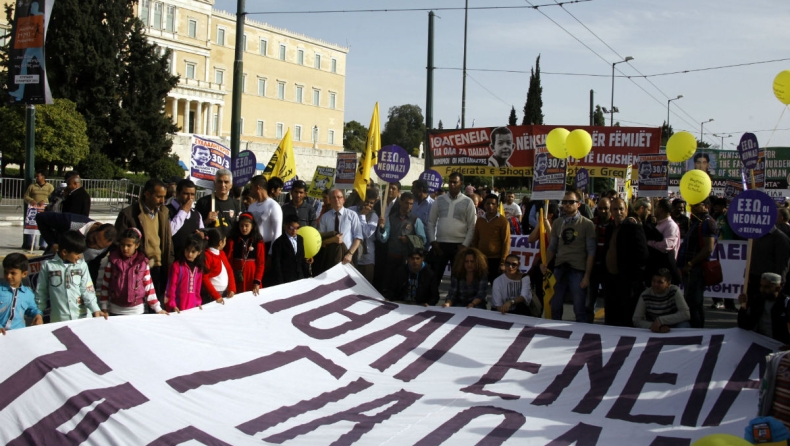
[[533, 108]]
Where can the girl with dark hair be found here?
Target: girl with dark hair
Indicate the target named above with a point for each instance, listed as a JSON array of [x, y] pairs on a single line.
[[186, 276], [469, 280], [247, 254]]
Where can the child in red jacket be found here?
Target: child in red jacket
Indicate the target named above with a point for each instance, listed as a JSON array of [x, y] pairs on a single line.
[[247, 254], [218, 281]]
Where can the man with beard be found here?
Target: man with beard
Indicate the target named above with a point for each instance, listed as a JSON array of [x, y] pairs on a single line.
[[766, 312], [603, 224], [219, 208], [184, 220], [626, 255], [152, 218], [679, 216]]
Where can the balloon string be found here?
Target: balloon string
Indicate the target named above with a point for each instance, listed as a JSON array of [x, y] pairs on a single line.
[[776, 126]]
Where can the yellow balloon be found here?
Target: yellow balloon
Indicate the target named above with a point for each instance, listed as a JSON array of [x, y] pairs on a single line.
[[579, 143], [312, 241], [721, 440], [695, 186], [681, 146], [555, 142], [782, 87]]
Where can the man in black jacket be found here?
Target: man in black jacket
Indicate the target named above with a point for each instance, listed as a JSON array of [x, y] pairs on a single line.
[[414, 282], [766, 312], [77, 200], [286, 262], [184, 220], [626, 255]]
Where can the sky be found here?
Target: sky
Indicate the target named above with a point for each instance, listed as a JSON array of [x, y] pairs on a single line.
[[388, 54]]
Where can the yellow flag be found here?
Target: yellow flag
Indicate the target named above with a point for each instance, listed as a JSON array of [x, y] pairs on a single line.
[[370, 156], [548, 279], [282, 165]]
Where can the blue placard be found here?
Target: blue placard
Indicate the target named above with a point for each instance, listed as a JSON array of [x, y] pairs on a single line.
[[434, 180], [752, 214], [393, 163], [749, 150], [582, 178], [243, 168]]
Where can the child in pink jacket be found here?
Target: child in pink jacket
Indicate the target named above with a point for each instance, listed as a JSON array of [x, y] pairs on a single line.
[[186, 276]]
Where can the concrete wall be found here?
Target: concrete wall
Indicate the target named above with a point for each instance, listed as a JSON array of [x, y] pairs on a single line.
[[306, 159]]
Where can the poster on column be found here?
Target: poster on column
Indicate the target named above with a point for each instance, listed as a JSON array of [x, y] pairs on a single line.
[[340, 365], [509, 151], [27, 83], [207, 157]]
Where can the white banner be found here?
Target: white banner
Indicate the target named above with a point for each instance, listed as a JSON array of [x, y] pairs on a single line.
[[326, 361]]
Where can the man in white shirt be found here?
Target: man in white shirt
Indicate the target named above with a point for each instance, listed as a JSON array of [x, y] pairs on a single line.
[[451, 224], [344, 222], [511, 208], [267, 212]]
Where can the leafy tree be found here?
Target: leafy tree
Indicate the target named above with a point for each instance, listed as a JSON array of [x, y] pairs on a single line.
[[405, 127], [98, 56], [61, 138], [441, 126], [533, 108], [97, 166], [598, 116], [166, 168], [513, 119], [354, 136]]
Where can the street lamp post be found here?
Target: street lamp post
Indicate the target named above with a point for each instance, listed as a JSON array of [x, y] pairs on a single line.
[[611, 104], [701, 125], [722, 139], [679, 96]]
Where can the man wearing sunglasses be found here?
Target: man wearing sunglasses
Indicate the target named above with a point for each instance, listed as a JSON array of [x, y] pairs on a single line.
[[572, 248]]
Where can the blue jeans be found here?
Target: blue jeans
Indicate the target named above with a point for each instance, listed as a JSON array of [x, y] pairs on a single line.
[[569, 281], [693, 292]]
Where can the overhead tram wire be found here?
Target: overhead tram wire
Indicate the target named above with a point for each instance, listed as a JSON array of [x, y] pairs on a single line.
[[489, 91], [677, 106], [605, 60], [348, 11]]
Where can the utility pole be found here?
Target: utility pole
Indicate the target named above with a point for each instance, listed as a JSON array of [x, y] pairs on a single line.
[[592, 111], [429, 95], [463, 90], [238, 73], [30, 143]]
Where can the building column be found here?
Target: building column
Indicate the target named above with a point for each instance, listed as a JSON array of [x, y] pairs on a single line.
[[197, 118], [207, 118], [174, 111], [219, 119]]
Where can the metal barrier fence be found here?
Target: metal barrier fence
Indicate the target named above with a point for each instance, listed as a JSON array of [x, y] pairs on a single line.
[[111, 195]]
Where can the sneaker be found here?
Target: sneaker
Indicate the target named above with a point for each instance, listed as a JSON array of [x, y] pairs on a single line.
[[719, 305]]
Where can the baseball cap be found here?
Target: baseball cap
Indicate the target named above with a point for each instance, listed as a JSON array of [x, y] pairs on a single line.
[[766, 431]]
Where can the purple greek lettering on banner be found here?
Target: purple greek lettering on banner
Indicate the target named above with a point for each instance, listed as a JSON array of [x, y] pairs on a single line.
[[412, 338], [115, 399], [394, 403], [422, 363], [740, 379], [697, 396], [641, 375], [579, 435], [304, 320], [590, 354], [187, 434], [76, 353], [509, 360], [308, 296], [509, 426], [285, 413], [255, 367], [670, 441]]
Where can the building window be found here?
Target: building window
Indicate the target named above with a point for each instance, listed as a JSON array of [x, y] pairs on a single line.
[[330, 137], [216, 124], [192, 28], [145, 10], [332, 99], [157, 22], [261, 87], [244, 83], [299, 90], [318, 61], [259, 128], [220, 37], [278, 133], [281, 90], [300, 57], [170, 21], [219, 77], [282, 52], [316, 97], [191, 70], [264, 47], [297, 133], [244, 42], [334, 65]]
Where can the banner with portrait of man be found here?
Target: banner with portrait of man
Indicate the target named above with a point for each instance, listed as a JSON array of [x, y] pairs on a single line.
[[510, 150], [207, 157]]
